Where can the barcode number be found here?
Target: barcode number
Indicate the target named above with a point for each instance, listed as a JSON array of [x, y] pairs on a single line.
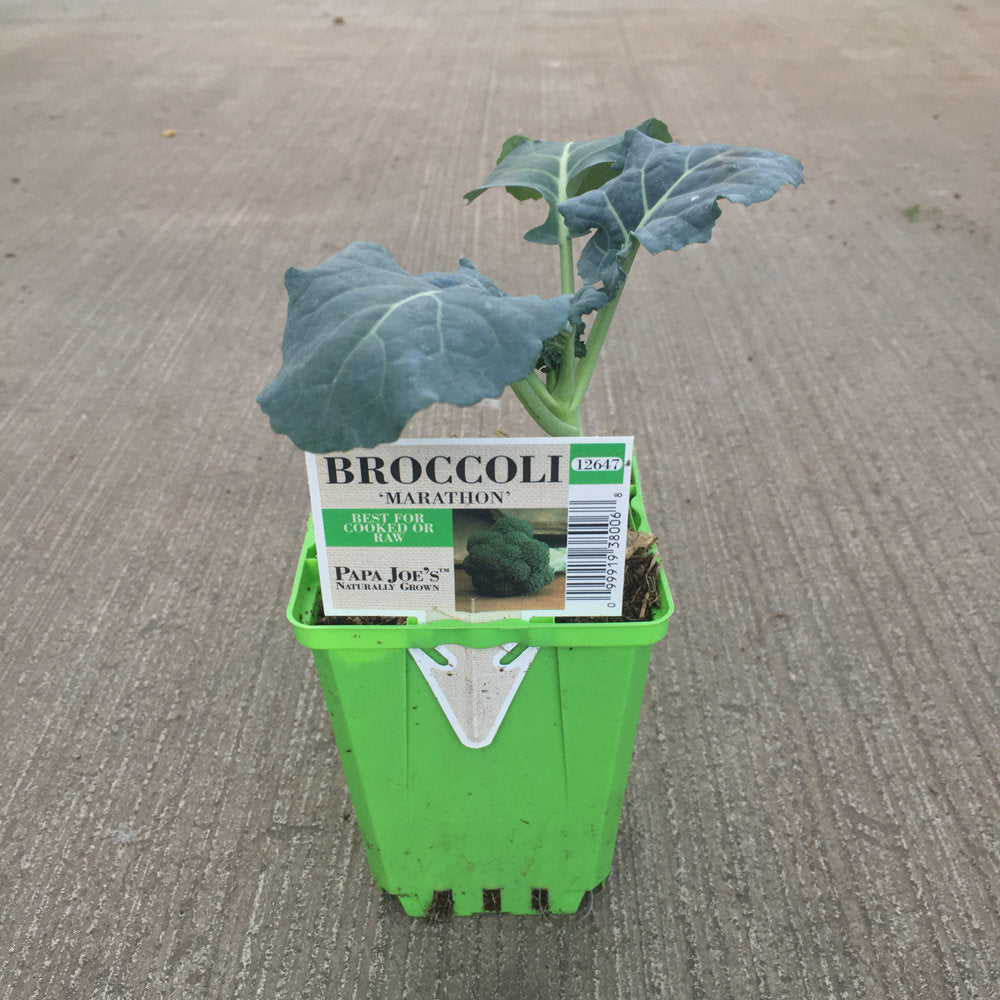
[[594, 537]]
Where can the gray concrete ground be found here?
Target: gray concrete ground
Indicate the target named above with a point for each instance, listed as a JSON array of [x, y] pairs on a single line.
[[814, 803]]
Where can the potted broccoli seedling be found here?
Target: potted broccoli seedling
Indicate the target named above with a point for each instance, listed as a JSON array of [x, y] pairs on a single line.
[[461, 814], [367, 345]]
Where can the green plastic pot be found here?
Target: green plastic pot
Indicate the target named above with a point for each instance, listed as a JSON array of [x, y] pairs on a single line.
[[526, 822]]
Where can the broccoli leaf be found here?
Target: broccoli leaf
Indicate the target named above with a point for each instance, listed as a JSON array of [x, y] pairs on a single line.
[[585, 300], [367, 345], [534, 168], [665, 197]]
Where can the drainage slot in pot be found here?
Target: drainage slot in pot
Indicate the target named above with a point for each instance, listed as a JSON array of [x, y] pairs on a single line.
[[491, 901], [442, 906], [540, 900]]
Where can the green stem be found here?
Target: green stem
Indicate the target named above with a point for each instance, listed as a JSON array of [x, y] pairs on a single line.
[[567, 274], [565, 382], [596, 336], [595, 341]]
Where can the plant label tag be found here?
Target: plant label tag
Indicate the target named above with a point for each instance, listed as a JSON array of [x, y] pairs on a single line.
[[473, 528]]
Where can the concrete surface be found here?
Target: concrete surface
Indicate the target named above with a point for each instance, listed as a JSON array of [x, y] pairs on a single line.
[[814, 805]]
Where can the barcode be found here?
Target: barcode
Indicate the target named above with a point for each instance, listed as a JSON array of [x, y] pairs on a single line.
[[591, 528]]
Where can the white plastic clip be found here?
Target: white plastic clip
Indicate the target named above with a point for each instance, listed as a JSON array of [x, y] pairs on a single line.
[[473, 688]]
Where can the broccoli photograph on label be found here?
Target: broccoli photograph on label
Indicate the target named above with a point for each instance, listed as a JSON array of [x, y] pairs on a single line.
[[501, 557], [506, 560]]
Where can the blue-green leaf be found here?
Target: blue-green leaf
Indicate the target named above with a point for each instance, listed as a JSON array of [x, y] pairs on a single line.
[[367, 345], [666, 197], [587, 299], [534, 168]]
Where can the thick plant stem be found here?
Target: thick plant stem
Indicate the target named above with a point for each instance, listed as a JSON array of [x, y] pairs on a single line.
[[564, 384], [554, 419]]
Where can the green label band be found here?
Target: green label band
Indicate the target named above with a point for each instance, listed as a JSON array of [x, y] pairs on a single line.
[[391, 528]]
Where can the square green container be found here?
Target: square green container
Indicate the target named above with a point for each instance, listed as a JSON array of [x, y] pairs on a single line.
[[525, 824]]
